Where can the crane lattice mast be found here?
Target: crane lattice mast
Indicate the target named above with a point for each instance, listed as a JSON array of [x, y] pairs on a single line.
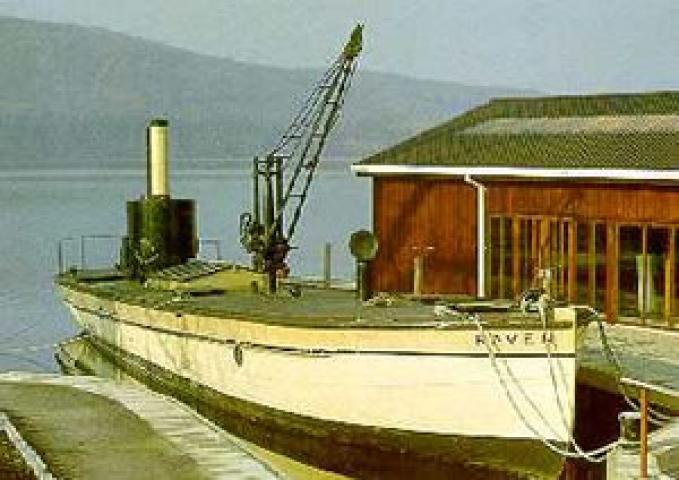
[[287, 171]]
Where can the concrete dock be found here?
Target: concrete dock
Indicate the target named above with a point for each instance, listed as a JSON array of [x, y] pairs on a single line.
[[649, 355], [663, 458], [88, 427]]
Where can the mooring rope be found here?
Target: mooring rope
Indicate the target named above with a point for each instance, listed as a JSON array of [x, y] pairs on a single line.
[[595, 456]]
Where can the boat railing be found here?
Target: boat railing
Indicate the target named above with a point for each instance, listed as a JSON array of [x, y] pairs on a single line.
[[95, 251], [210, 249], [88, 252]]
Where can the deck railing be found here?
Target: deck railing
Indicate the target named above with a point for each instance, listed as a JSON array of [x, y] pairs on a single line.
[[93, 251]]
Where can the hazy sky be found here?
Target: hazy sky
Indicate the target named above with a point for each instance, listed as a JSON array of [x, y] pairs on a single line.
[[555, 46]]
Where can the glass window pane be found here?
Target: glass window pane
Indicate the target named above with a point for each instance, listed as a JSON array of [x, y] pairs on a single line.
[[658, 242]]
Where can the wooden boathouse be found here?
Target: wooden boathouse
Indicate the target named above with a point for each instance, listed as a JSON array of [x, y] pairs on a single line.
[[585, 188]]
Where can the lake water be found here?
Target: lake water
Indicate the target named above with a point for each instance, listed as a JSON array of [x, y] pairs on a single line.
[[39, 207]]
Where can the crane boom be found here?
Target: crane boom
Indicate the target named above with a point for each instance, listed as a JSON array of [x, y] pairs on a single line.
[[287, 171]]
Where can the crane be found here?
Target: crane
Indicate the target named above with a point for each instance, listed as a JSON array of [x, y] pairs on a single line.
[[286, 172]]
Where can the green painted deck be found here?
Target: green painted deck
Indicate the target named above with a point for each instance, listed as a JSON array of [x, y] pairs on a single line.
[[313, 308]]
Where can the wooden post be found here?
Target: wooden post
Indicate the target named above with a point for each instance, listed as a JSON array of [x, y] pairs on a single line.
[[327, 264], [611, 272], [644, 273], [562, 259], [544, 243], [418, 275], [82, 252], [643, 434], [534, 248], [572, 259], [591, 264], [670, 259], [501, 259], [516, 257]]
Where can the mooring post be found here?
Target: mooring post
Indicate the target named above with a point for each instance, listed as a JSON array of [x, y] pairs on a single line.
[[82, 252], [60, 256], [643, 434], [418, 274], [327, 264]]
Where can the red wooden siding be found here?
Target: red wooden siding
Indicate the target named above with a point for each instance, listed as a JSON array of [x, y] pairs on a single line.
[[615, 202], [412, 214]]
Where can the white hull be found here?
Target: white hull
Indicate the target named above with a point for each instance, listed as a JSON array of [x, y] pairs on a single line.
[[416, 380]]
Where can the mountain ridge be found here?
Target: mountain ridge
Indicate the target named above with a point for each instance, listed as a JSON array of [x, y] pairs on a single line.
[[85, 94]]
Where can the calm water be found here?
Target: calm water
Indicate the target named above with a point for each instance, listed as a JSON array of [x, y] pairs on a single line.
[[40, 207]]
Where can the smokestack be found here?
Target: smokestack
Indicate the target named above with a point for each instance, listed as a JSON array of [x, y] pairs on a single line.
[[158, 184]]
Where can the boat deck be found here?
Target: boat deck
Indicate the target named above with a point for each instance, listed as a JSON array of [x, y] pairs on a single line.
[[311, 306]]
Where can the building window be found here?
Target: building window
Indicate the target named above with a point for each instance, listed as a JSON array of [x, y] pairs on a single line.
[[630, 297]]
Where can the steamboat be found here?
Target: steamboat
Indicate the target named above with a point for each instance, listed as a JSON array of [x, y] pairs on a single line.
[[366, 384]]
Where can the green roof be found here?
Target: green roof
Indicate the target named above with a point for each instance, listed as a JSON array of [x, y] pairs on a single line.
[[622, 131]]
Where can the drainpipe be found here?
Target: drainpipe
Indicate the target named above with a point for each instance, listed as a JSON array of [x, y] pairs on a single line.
[[480, 235]]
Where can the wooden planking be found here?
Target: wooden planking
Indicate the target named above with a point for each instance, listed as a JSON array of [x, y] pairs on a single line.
[[414, 214], [586, 201]]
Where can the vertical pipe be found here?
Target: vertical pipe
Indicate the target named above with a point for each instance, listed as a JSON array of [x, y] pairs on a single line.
[[268, 201], [643, 434], [278, 175], [480, 236], [157, 158], [327, 264]]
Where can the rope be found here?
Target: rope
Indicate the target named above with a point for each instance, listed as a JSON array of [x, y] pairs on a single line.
[[592, 456], [589, 456]]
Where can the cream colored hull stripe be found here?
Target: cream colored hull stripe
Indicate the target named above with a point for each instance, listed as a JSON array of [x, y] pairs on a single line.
[[427, 339], [323, 351]]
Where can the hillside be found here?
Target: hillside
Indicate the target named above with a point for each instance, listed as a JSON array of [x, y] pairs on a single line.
[[72, 95]]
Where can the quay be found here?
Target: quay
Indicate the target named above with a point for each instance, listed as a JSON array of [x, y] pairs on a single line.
[[644, 359], [88, 427], [646, 354]]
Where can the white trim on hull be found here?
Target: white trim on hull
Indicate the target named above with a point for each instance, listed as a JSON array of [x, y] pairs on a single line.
[[453, 392]]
